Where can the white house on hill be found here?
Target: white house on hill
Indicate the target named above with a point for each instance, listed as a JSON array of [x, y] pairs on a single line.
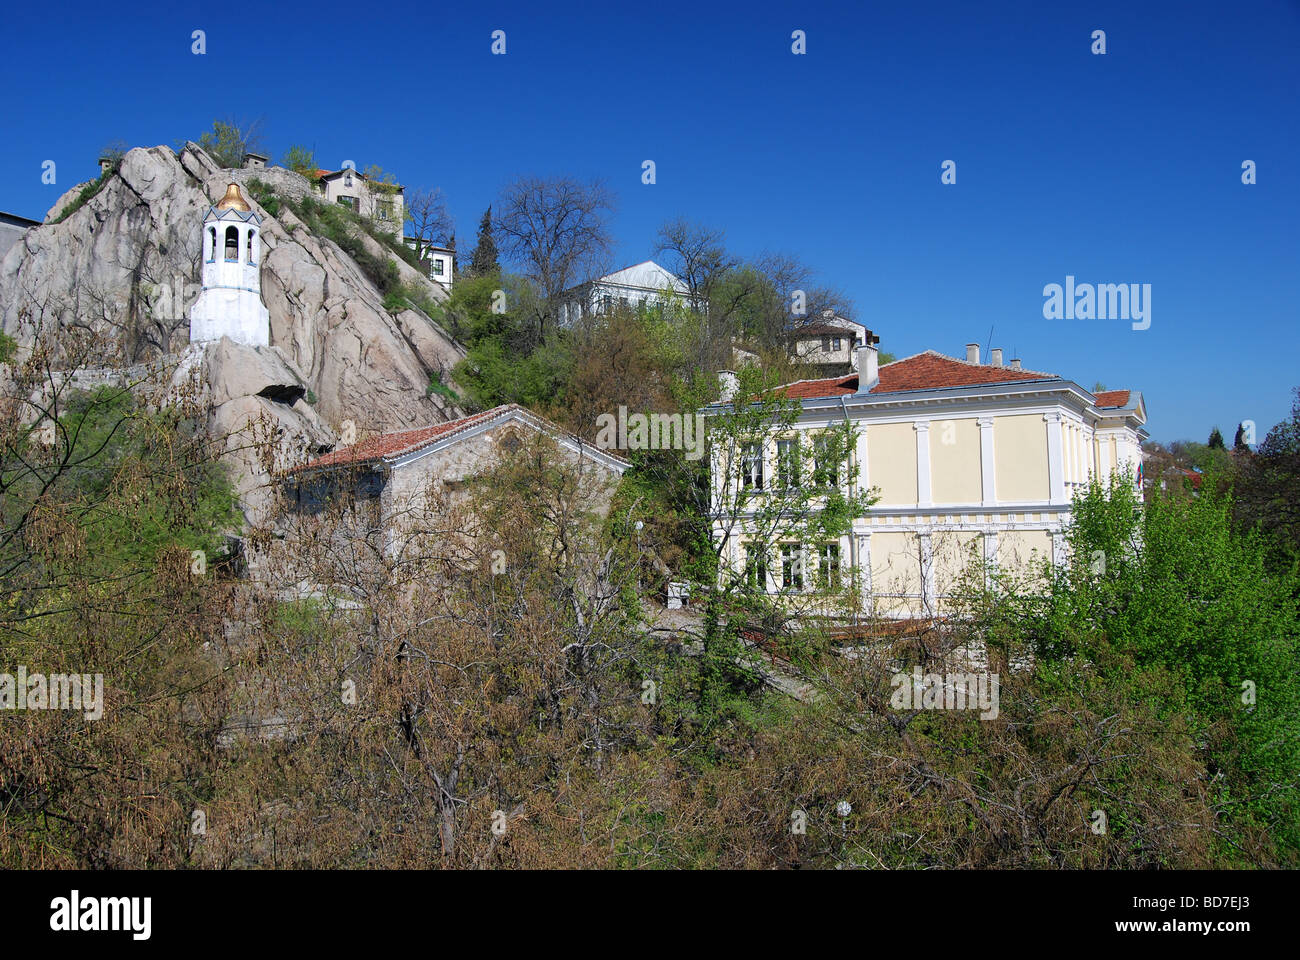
[[642, 283], [381, 202], [441, 261]]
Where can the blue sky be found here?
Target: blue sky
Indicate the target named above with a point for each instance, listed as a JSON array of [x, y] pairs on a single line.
[[1122, 168]]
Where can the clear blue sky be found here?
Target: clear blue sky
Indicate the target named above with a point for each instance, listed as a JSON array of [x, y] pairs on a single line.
[[1117, 168]]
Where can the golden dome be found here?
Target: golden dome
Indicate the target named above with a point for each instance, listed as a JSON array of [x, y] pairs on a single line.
[[232, 200]]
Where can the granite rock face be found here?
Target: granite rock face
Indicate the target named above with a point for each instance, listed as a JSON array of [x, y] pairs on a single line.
[[125, 268]]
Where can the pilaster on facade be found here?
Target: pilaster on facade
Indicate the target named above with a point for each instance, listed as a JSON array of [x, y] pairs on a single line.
[[988, 468], [864, 474], [862, 561], [1055, 458], [1058, 549], [922, 428], [929, 591], [991, 549]]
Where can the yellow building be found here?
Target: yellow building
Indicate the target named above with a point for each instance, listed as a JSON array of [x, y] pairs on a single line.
[[969, 459]]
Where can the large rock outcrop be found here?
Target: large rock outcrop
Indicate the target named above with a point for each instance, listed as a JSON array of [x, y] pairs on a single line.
[[125, 266]]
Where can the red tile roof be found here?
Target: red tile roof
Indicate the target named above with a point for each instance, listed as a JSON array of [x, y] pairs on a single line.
[[1112, 398], [922, 371], [386, 446], [390, 446]]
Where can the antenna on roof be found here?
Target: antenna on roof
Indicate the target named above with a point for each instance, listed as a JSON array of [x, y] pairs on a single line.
[[988, 347]]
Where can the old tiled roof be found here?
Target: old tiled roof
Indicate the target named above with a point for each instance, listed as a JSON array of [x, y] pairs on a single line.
[[921, 371], [388, 446], [819, 330], [1112, 398], [391, 446]]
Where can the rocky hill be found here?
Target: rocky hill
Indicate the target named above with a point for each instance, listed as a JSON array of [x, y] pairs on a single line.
[[119, 258]]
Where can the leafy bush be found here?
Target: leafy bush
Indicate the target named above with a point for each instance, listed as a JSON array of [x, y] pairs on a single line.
[[1186, 616], [443, 390], [265, 195]]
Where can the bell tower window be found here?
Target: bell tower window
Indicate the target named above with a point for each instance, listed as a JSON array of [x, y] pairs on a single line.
[[232, 244], [212, 244], [251, 235]]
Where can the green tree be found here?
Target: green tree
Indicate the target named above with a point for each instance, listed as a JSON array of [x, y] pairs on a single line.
[[1184, 609], [747, 488], [229, 141], [1268, 488], [301, 160], [1216, 440], [483, 258]]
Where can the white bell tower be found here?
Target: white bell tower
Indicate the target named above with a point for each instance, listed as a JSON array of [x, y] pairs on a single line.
[[231, 302]]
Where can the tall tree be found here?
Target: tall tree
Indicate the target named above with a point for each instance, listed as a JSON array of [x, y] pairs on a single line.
[[483, 258], [1268, 485], [430, 223], [1216, 440], [300, 160], [697, 255], [556, 229], [230, 140]]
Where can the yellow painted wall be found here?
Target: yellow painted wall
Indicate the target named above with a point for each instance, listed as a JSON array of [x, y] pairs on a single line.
[[1020, 455], [952, 555], [955, 461], [891, 462], [895, 563], [1022, 551]]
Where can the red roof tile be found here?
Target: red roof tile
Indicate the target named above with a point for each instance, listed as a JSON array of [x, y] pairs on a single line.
[[1112, 398], [922, 371], [386, 446]]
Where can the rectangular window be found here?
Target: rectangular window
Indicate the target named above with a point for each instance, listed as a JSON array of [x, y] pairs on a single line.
[[751, 466], [836, 344], [349, 202], [787, 463], [756, 566], [437, 266], [791, 566], [828, 565], [384, 210], [826, 467]]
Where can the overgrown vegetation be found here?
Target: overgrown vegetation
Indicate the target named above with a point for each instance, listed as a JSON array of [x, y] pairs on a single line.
[[89, 192], [495, 687]]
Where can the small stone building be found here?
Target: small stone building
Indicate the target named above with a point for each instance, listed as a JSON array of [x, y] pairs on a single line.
[[388, 477]]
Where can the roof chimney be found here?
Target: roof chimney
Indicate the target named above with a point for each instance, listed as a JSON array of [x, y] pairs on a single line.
[[728, 384], [972, 353], [1015, 364], [995, 357], [868, 367]]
